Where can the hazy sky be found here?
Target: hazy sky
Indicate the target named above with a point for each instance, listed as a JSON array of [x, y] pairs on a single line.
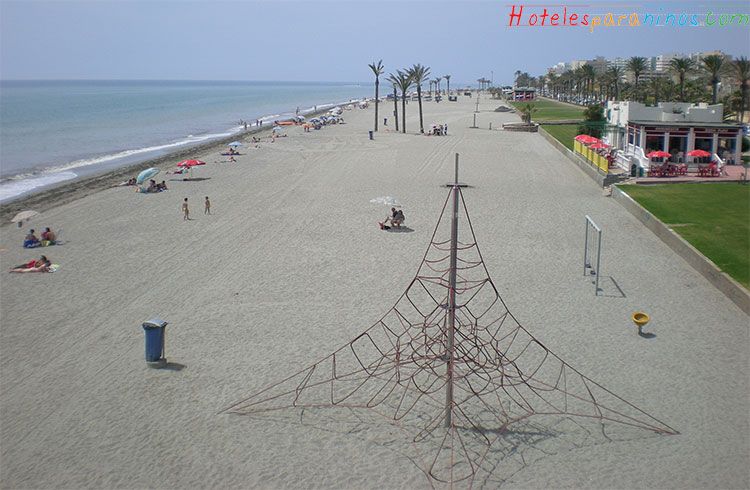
[[328, 40]]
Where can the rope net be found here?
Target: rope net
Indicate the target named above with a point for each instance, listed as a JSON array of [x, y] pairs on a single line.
[[502, 377]]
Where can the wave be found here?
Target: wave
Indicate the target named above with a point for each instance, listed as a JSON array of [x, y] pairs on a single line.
[[128, 153], [18, 185]]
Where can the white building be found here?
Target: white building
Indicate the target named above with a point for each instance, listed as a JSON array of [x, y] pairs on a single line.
[[674, 127]]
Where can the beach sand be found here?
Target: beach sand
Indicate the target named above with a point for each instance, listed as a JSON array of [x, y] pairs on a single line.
[[291, 265]]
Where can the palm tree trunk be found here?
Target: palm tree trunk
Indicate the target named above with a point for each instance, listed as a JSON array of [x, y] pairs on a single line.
[[449, 85], [403, 112], [395, 107], [715, 86], [419, 97], [377, 100], [682, 87]]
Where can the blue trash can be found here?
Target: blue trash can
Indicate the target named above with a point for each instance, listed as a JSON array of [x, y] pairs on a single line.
[[154, 330]]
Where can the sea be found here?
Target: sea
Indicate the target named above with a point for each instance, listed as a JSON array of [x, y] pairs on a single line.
[[53, 131]]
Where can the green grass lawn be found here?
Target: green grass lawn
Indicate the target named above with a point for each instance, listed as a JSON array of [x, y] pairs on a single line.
[[549, 110], [714, 218], [564, 133]]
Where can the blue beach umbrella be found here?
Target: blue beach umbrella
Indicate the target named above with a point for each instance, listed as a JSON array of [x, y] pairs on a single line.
[[146, 174], [235, 143]]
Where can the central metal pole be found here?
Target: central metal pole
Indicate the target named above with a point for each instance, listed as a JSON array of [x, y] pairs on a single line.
[[452, 305]]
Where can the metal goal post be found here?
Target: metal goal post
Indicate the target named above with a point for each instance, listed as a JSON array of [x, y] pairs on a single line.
[[592, 254]]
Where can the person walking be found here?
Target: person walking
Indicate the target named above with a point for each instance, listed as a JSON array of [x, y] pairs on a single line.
[[185, 210], [207, 208]]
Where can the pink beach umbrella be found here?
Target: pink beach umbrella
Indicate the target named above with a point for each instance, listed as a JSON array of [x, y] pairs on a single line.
[[586, 139], [189, 164], [599, 145]]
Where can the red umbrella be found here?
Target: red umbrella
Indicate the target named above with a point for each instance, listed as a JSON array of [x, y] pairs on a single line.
[[658, 154], [586, 138], [599, 145], [190, 164], [698, 153]]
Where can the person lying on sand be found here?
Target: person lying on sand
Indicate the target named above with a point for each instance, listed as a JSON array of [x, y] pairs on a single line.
[[126, 183], [41, 265]]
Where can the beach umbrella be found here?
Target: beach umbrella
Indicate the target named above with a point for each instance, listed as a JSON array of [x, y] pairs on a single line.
[[658, 154], [599, 145], [586, 138], [146, 174], [386, 201], [189, 164], [698, 153], [235, 143], [24, 216]]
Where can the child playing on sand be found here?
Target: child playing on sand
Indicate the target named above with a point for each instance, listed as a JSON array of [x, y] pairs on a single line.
[[207, 209], [185, 210]]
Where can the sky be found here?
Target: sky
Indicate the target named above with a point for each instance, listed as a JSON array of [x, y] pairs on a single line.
[[334, 40]]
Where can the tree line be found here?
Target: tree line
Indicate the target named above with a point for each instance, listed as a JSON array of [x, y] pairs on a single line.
[[690, 81], [403, 80]]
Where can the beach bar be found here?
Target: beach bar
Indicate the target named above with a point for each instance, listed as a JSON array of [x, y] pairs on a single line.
[[676, 128], [524, 93]]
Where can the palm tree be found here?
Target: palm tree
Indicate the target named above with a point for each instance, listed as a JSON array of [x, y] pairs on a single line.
[[527, 110], [637, 65], [403, 81], [377, 69], [713, 64], [681, 67], [616, 73], [589, 75], [448, 79], [394, 81], [742, 66], [437, 84], [419, 74], [656, 85]]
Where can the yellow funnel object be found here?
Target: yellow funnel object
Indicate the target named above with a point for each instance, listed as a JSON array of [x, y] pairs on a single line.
[[640, 318]]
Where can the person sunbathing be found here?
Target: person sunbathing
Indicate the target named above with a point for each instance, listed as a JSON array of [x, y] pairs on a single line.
[[31, 241], [41, 265]]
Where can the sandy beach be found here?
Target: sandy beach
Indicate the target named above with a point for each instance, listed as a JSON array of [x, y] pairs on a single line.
[[291, 265]]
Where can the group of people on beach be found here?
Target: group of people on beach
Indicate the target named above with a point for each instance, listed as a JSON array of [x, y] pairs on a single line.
[[48, 238], [154, 187], [438, 130], [186, 208]]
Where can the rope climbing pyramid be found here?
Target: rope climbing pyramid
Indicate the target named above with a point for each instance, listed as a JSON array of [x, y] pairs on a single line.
[[451, 366]]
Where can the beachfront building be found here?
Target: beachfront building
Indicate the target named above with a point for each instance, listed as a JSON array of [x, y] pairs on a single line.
[[675, 127], [524, 93]]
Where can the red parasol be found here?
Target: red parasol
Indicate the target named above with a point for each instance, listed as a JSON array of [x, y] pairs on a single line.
[[698, 153], [190, 163], [658, 154], [586, 138], [599, 145]]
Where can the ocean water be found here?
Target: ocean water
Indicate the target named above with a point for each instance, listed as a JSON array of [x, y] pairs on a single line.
[[52, 131]]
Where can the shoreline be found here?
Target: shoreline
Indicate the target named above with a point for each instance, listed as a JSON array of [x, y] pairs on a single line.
[[71, 190]]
